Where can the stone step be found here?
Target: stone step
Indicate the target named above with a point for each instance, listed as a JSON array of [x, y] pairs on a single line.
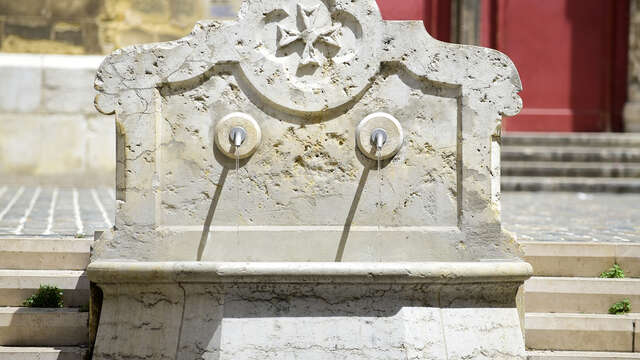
[[571, 184], [20, 326], [578, 295], [43, 353], [580, 259], [570, 153], [571, 139], [580, 355], [19, 253], [582, 332], [570, 169], [18, 285]]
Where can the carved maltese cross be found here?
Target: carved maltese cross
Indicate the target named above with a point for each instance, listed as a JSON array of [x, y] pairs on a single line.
[[309, 34]]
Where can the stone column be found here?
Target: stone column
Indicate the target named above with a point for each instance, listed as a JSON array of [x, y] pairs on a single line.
[[465, 21], [632, 107]]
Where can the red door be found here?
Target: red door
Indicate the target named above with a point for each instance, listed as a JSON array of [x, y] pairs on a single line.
[[436, 14], [572, 59]]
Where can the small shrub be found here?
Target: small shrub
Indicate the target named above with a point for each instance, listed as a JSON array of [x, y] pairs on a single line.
[[615, 272], [46, 297], [621, 307]]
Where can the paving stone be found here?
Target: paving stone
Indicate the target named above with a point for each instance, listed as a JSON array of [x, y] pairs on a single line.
[[53, 211], [558, 216]]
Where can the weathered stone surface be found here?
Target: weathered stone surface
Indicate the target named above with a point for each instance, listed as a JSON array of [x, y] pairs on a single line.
[[307, 183], [347, 257]]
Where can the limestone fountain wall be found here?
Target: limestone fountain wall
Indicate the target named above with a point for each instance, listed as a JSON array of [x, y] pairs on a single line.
[[308, 182]]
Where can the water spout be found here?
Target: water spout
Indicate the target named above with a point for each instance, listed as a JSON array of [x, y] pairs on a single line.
[[379, 138], [237, 136]]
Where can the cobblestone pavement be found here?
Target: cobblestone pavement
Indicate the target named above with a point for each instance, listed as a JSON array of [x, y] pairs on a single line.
[[53, 211], [557, 216], [541, 216]]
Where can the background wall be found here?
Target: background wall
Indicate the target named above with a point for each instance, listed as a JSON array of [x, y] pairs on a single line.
[[100, 26], [49, 128], [50, 131]]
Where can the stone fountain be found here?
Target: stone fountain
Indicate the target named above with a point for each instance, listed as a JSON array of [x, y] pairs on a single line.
[[308, 182]]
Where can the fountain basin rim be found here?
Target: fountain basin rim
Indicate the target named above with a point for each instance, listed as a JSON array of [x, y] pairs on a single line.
[[104, 272]]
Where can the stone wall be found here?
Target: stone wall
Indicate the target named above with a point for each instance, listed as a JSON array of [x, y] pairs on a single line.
[[48, 125], [49, 26], [100, 26], [49, 129]]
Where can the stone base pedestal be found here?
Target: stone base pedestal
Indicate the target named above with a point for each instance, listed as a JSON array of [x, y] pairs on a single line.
[[195, 310]]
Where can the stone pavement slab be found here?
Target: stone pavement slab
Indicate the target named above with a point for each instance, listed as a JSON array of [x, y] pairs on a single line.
[[560, 216], [55, 211]]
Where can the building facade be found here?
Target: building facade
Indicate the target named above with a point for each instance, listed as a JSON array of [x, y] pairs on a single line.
[[577, 58]]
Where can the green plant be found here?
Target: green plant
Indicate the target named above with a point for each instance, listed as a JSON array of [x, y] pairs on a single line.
[[46, 297], [621, 307], [614, 272]]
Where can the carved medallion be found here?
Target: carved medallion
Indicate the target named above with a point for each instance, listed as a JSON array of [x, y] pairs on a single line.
[[309, 34], [310, 56]]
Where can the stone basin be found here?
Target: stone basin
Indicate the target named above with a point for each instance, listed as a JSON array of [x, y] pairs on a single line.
[[240, 310]]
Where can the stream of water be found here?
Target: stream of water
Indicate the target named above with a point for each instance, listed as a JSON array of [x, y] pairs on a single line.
[[238, 210], [380, 204]]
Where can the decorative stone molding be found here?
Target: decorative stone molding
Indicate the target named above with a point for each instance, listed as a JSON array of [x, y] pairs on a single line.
[[106, 272]]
